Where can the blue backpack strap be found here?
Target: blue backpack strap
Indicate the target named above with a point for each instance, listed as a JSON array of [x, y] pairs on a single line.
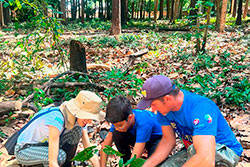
[[37, 116]]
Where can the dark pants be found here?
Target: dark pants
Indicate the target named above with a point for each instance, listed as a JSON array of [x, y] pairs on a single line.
[[124, 140]]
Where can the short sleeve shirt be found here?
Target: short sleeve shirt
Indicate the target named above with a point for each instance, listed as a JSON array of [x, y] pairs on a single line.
[[200, 116], [146, 126], [38, 130]]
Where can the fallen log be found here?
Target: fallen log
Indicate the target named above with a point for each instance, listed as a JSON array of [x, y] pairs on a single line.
[[7, 106]]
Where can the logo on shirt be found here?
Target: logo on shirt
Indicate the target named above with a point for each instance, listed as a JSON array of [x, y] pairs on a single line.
[[208, 118], [144, 93], [196, 121]]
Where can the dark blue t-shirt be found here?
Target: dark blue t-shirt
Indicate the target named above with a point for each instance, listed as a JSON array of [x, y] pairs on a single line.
[[146, 126], [200, 116]]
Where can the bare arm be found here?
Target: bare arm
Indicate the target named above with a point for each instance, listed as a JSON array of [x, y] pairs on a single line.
[[53, 146], [164, 147], [108, 141], [204, 146], [138, 149], [85, 141]]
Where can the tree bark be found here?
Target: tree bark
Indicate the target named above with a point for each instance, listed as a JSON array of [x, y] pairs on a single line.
[[133, 9], [172, 10], [149, 9], [108, 10], [232, 6], [245, 10], [168, 9], [235, 8], [161, 9], [198, 43], [206, 30], [141, 8], [82, 18], [10, 106], [116, 17], [239, 13], [77, 57], [124, 12], [176, 9], [63, 10], [1, 15], [221, 14], [155, 9], [6, 15]]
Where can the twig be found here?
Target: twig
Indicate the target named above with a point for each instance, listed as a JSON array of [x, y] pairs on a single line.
[[132, 58]]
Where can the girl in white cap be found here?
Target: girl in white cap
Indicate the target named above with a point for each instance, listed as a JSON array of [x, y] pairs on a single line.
[[52, 137]]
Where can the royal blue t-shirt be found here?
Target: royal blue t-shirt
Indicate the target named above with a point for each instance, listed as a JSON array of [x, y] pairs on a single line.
[[200, 116], [146, 126]]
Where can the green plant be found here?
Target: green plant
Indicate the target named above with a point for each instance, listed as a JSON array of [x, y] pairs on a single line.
[[119, 81], [89, 152], [41, 99]]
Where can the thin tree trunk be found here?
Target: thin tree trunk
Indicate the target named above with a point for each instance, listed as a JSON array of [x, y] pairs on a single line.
[[221, 14], [116, 17], [155, 9], [161, 9], [63, 15], [1, 15], [172, 10], [133, 9], [198, 44], [245, 10], [239, 15], [235, 8], [123, 12], [168, 9], [108, 10], [137, 10], [232, 6], [6, 15], [206, 30], [82, 19], [149, 9], [141, 8], [144, 9], [176, 9]]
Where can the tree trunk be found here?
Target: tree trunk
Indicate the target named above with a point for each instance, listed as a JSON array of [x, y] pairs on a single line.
[[161, 9], [73, 9], [138, 11], [123, 12], [77, 57], [82, 4], [245, 10], [206, 30], [141, 9], [168, 9], [6, 15], [144, 9], [239, 15], [116, 17], [221, 14], [133, 9], [172, 10], [63, 10], [198, 44], [232, 6], [149, 9], [235, 8], [176, 9], [155, 9], [108, 10]]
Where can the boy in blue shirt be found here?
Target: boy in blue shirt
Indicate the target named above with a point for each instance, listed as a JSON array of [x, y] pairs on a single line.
[[196, 120], [138, 128]]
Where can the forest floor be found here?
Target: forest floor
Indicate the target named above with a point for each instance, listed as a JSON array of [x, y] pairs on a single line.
[[222, 74]]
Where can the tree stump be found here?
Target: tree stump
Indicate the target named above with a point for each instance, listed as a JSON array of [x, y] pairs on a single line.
[[77, 57]]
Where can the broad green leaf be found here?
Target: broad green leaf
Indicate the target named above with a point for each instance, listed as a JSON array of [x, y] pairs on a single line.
[[137, 162], [121, 162], [110, 151], [86, 154], [131, 160]]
